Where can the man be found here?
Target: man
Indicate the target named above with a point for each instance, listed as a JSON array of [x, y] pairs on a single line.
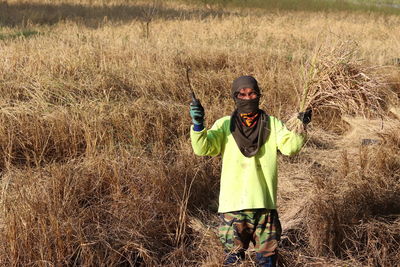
[[248, 142]]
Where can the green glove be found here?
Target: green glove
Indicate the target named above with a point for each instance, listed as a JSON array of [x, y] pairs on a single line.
[[197, 113]]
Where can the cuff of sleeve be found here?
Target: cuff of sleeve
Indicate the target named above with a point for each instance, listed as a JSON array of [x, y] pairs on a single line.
[[198, 127]]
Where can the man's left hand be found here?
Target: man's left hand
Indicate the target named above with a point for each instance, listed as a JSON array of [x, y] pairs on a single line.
[[305, 117]]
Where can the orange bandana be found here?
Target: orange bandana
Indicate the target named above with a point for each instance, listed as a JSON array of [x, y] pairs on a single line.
[[249, 119]]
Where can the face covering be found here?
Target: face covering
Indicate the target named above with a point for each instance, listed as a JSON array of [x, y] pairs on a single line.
[[247, 105], [249, 139]]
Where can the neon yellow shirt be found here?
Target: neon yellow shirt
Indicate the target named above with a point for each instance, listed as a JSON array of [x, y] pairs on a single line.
[[246, 183]]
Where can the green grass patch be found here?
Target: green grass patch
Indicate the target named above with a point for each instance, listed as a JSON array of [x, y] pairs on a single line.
[[19, 34]]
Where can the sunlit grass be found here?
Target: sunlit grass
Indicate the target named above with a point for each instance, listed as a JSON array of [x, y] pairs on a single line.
[[95, 157]]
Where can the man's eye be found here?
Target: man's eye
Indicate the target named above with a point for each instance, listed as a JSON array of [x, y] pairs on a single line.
[[252, 94]]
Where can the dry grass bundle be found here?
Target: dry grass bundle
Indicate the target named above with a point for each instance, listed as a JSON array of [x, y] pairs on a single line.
[[337, 82]]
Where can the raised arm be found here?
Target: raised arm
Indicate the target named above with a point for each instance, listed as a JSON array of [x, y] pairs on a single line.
[[208, 142], [288, 142]]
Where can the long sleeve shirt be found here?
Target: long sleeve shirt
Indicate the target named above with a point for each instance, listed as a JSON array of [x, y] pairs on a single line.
[[246, 183]]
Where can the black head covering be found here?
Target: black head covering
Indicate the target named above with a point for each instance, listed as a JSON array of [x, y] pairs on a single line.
[[248, 139], [248, 105], [244, 82]]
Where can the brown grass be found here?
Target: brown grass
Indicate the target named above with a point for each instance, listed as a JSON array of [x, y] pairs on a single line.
[[338, 80], [96, 163], [338, 83], [363, 196], [351, 211]]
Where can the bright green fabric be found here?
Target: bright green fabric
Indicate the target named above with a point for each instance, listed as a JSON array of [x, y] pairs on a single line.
[[246, 183]]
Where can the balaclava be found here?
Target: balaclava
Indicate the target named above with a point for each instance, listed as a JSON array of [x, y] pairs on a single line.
[[248, 139], [248, 105]]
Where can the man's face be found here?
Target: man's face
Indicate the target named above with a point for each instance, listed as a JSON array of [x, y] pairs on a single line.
[[247, 94]]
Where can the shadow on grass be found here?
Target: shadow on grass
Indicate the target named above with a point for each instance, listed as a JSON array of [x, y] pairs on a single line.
[[371, 6], [21, 14], [24, 34]]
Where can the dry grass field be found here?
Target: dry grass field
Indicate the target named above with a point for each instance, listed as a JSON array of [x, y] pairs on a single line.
[[95, 158]]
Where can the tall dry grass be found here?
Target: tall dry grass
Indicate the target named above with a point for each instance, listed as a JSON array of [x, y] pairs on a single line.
[[96, 162], [353, 214]]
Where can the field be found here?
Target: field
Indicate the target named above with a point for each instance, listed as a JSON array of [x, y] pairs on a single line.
[[95, 157]]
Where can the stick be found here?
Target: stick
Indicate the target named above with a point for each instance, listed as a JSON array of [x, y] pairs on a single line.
[[195, 101]]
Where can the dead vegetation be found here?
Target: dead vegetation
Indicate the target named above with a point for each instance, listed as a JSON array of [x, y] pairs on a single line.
[[351, 209], [337, 80], [96, 164], [338, 83]]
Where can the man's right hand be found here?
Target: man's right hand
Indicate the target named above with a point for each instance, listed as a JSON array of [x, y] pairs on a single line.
[[197, 113]]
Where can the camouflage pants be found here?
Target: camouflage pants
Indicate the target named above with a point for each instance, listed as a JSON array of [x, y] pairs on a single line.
[[259, 226]]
